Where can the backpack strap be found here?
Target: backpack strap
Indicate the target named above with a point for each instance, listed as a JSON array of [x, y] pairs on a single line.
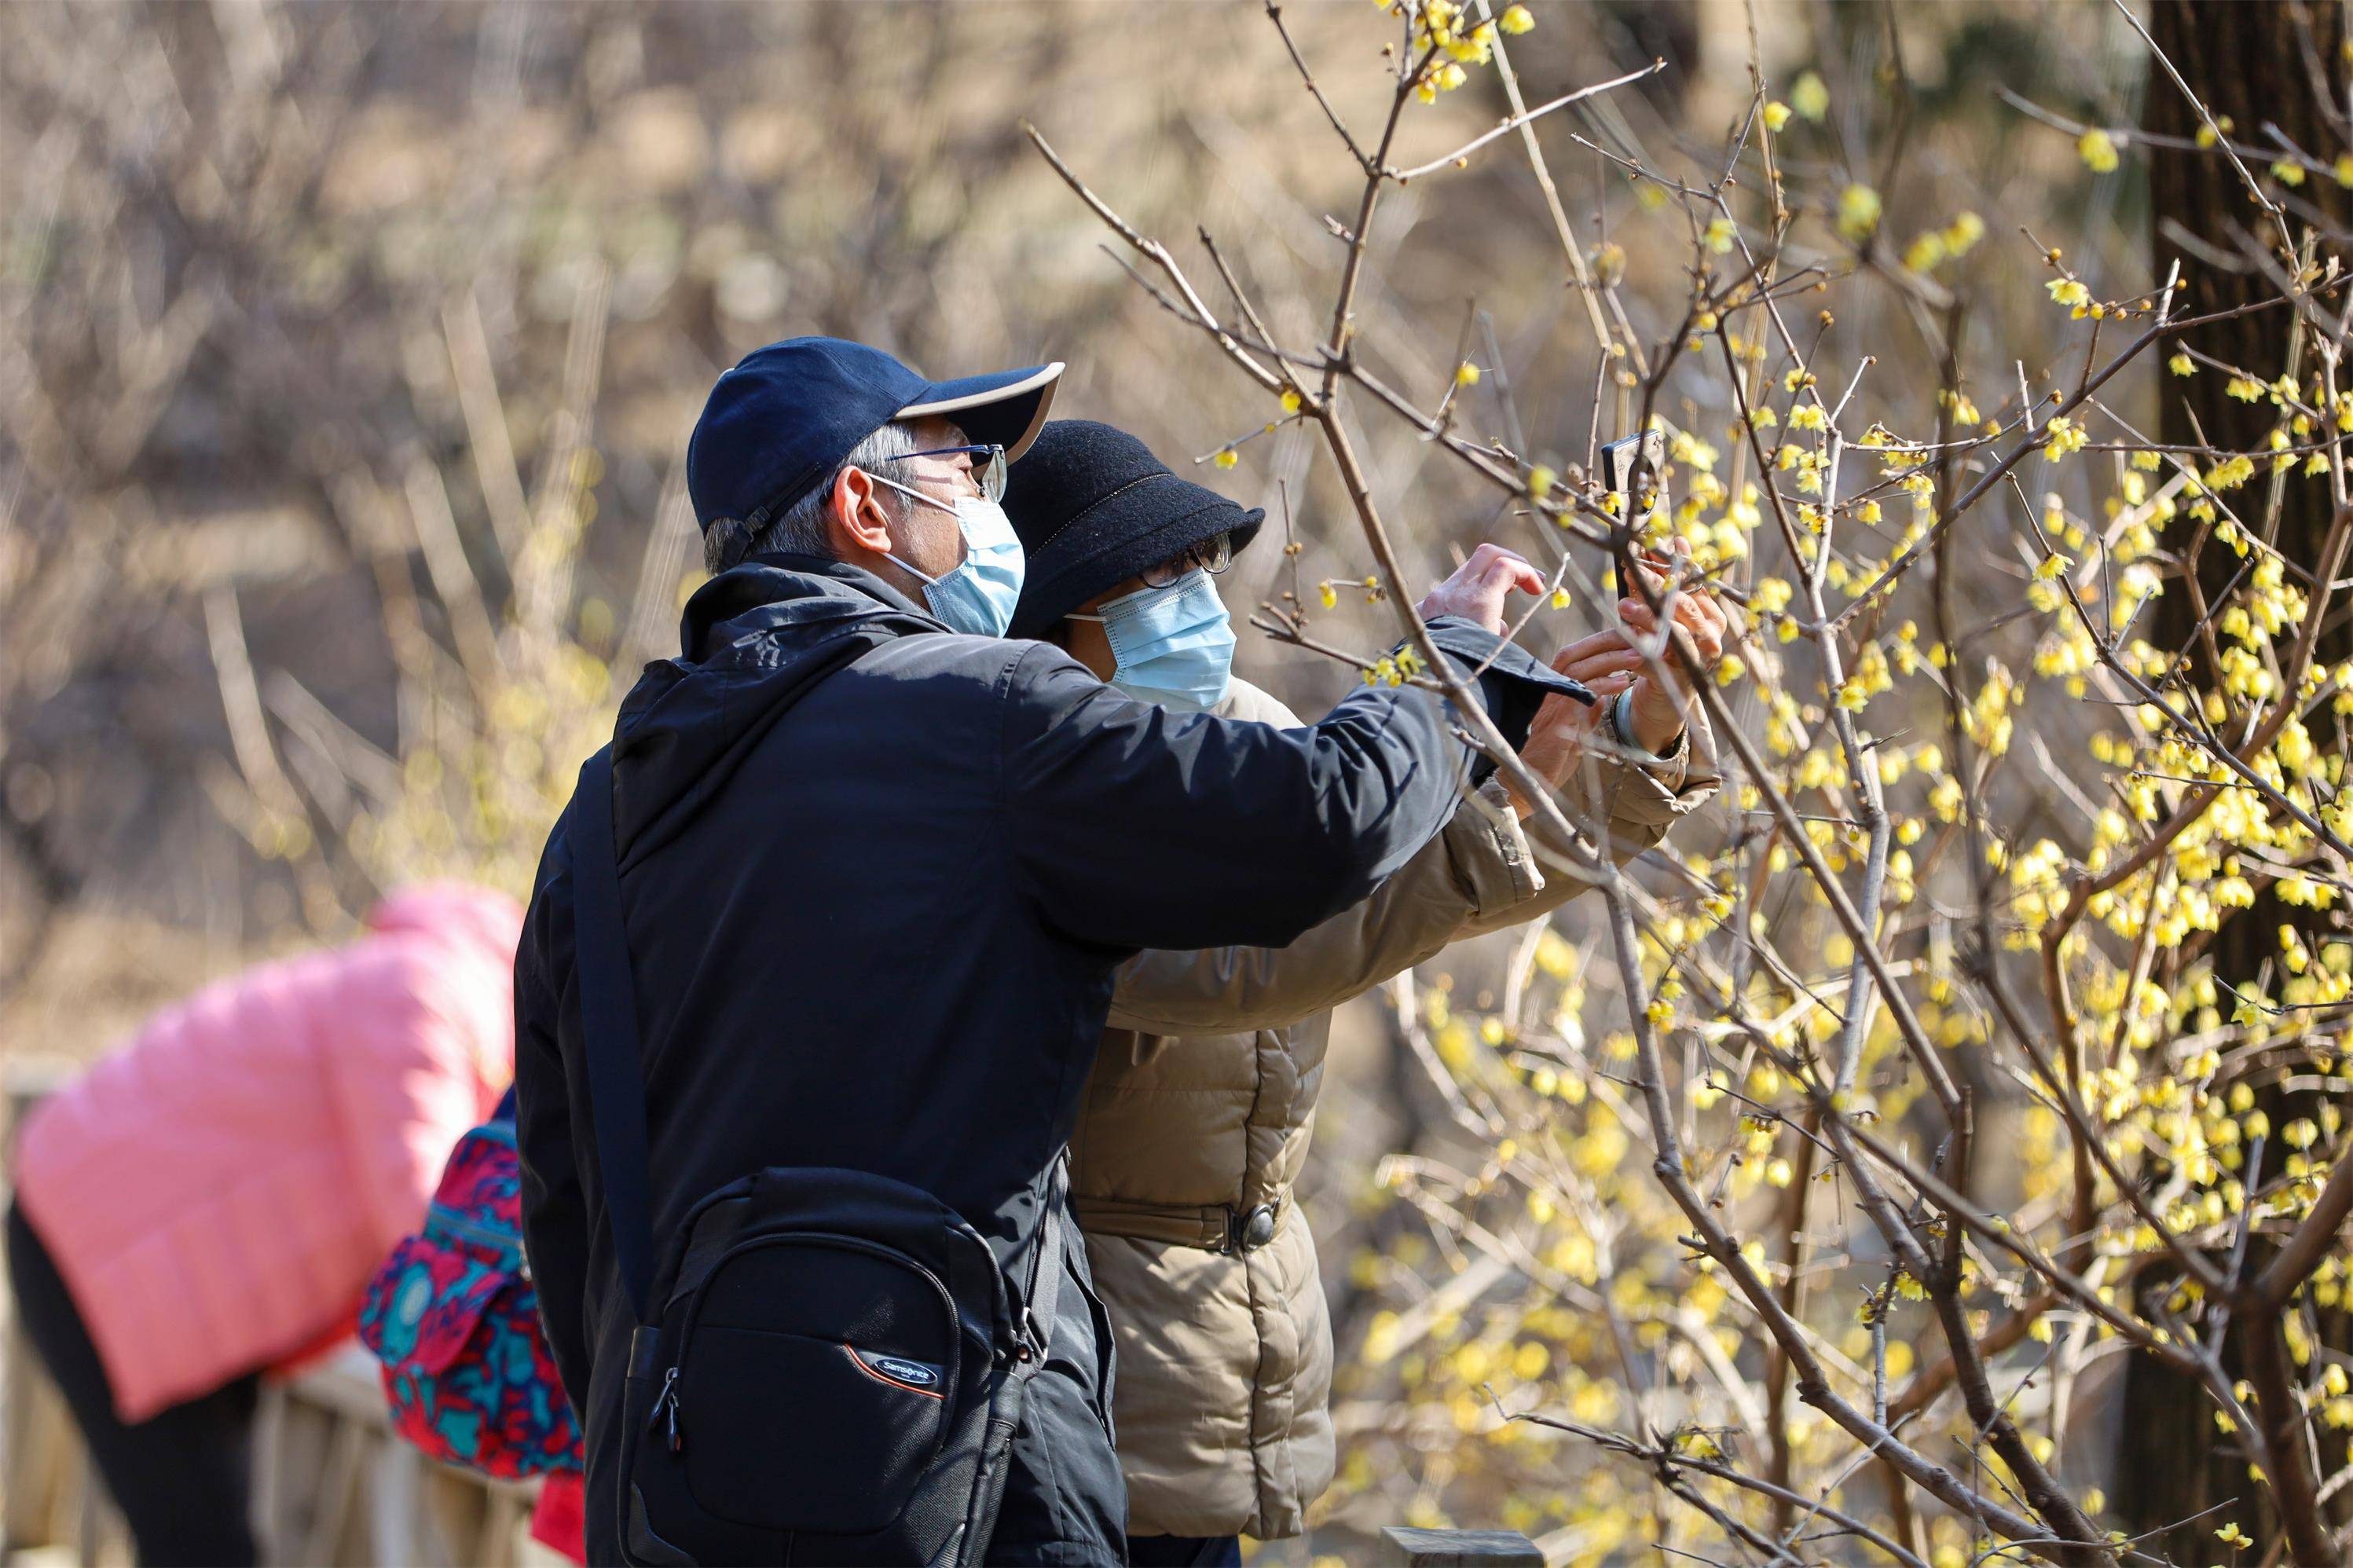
[[616, 1069], [608, 1030], [1046, 1284], [1034, 1331]]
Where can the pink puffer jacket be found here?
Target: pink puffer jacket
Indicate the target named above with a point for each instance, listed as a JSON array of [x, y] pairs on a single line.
[[218, 1192]]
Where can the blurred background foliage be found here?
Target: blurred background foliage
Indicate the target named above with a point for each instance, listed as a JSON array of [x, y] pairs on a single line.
[[347, 354]]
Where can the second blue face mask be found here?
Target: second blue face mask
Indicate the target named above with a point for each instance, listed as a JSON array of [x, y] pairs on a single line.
[[1172, 646]]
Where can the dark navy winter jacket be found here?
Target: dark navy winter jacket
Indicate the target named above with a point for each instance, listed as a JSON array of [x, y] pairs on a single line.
[[876, 876]]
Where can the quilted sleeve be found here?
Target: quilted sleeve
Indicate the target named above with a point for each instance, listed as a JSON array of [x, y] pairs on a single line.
[[408, 1060]]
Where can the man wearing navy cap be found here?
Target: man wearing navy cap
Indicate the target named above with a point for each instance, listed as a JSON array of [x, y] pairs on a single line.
[[877, 868]]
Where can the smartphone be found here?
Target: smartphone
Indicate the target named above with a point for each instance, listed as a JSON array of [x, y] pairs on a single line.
[[1634, 459]]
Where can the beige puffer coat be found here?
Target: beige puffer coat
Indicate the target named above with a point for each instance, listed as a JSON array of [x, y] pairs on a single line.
[[1194, 1128]]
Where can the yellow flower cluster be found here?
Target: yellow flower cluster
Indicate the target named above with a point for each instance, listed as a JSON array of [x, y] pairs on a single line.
[[1932, 247], [1858, 212], [1941, 771], [2063, 435], [1394, 669], [1449, 38]]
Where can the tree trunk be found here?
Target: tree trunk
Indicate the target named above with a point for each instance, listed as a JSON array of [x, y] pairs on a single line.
[[2255, 63]]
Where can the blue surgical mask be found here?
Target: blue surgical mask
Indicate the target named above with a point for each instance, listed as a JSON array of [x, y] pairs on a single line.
[[1172, 646], [978, 597]]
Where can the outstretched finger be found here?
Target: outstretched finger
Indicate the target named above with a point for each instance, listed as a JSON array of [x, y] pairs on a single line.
[[1711, 606], [1637, 615], [1560, 710], [1513, 572], [1585, 647], [1696, 614], [1594, 666], [1604, 688]]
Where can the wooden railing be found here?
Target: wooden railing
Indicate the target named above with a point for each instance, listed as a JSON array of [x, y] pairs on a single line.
[[332, 1484], [1404, 1548]]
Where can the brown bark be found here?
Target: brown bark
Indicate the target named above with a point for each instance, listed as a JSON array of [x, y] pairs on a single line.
[[2246, 62], [2257, 64]]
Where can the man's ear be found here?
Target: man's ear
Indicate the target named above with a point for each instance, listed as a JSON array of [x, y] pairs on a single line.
[[855, 517]]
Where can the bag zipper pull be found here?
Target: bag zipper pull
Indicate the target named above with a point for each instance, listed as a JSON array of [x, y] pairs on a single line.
[[666, 1410]]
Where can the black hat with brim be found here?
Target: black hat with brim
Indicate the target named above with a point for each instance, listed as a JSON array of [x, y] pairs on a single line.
[[1093, 507]]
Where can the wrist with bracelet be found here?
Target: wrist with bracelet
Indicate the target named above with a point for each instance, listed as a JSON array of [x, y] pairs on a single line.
[[1621, 725]]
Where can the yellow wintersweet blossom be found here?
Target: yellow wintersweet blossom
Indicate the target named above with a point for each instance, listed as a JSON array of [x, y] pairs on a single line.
[[1745, 961], [1516, 19], [1809, 98], [1478, 48], [2063, 436], [1858, 212]]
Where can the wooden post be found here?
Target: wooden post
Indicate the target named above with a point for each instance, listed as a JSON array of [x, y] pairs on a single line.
[[53, 1497], [1404, 1548]]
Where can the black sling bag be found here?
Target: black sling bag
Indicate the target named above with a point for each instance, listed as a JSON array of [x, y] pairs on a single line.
[[826, 1367]]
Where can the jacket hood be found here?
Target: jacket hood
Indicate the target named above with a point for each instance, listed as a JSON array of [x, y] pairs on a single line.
[[753, 639], [476, 919], [749, 609]]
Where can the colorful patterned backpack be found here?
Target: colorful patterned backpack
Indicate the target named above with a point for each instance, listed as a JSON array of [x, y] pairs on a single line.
[[453, 1317]]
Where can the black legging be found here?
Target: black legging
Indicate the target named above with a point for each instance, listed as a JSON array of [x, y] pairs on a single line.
[[183, 1478]]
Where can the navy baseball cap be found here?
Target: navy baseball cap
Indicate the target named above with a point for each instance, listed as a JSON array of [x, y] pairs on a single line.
[[781, 422]]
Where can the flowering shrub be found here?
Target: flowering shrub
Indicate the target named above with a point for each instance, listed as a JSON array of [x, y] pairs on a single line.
[[1883, 1109]]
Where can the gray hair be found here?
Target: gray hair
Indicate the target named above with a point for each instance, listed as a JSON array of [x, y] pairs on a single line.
[[802, 530]]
